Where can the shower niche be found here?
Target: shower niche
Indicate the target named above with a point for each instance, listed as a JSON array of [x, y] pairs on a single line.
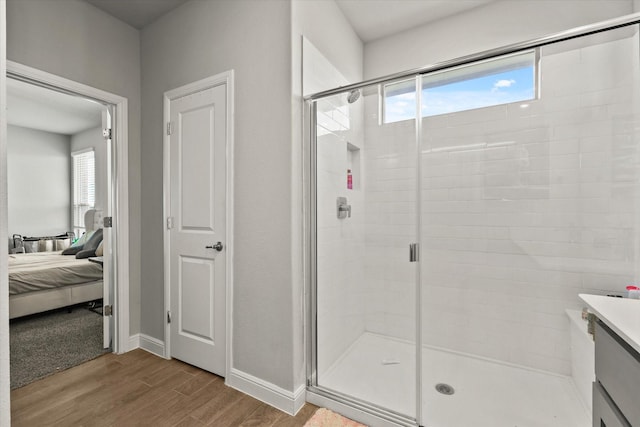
[[353, 167]]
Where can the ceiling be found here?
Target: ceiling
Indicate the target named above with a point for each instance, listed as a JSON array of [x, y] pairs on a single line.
[[39, 108], [43, 109], [137, 13], [374, 19], [371, 19]]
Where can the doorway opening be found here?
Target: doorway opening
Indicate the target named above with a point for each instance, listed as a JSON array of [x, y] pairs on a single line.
[[67, 166]]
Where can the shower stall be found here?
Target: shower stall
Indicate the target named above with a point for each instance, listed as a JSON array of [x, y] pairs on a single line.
[[456, 212]]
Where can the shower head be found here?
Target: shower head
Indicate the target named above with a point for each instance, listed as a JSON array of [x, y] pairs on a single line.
[[353, 96]]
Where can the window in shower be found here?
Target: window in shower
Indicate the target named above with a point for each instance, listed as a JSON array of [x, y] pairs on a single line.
[[399, 101], [493, 82]]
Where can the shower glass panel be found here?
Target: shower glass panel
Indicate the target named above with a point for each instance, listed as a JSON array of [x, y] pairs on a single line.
[[524, 206], [365, 220], [521, 194]]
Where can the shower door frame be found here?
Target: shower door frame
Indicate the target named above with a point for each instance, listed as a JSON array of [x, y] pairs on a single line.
[[334, 400], [345, 404]]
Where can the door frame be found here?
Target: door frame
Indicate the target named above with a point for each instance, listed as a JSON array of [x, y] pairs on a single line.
[[5, 388], [120, 214], [224, 78]]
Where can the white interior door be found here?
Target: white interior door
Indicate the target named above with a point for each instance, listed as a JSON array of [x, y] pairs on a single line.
[[107, 239], [197, 235]]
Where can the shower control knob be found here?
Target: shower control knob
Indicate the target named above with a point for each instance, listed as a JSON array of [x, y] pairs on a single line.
[[218, 247]]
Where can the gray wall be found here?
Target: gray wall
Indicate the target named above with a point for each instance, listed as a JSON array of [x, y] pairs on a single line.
[[200, 39], [39, 184], [92, 138], [341, 45], [268, 279], [73, 39], [497, 24]]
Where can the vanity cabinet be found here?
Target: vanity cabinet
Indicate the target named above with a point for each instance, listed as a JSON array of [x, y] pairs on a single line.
[[616, 391]]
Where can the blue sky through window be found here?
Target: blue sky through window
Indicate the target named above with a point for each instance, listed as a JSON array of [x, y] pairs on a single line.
[[461, 94], [400, 107], [502, 88]]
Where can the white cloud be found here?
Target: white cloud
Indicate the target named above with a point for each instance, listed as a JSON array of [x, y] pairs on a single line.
[[503, 83]]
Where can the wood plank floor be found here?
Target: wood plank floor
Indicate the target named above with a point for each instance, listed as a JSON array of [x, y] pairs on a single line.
[[140, 389]]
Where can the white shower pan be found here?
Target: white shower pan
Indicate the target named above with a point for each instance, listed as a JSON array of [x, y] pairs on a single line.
[[487, 393]]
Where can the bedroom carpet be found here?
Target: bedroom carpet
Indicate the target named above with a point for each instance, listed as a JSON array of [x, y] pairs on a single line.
[[47, 343]]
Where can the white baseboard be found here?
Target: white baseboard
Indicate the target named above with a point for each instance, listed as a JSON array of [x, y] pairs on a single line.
[[145, 342], [271, 394], [134, 342], [299, 398]]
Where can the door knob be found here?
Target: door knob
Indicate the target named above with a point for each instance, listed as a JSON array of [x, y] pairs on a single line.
[[218, 247]]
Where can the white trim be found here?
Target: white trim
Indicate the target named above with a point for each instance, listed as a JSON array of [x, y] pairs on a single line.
[[121, 210], [82, 151], [5, 387], [121, 219], [230, 80], [299, 398], [230, 212], [147, 343], [134, 342], [62, 83], [166, 208], [225, 78], [271, 394]]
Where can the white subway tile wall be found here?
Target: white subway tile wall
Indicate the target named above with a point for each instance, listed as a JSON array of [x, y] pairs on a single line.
[[340, 242], [390, 224], [522, 207]]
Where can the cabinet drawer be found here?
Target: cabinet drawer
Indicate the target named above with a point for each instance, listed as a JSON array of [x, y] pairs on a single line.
[[618, 371], [605, 414]]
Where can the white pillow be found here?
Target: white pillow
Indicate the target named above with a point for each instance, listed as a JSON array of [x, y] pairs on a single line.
[[99, 249]]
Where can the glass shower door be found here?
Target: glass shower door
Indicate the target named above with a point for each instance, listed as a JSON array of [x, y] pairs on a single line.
[[525, 204], [365, 283], [519, 180]]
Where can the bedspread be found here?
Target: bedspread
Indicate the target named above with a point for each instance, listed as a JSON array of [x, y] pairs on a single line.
[[49, 270]]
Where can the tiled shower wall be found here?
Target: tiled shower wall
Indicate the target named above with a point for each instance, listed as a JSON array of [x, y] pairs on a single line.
[[523, 207], [390, 224], [340, 245]]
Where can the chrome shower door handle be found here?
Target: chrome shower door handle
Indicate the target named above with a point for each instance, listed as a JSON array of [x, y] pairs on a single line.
[[218, 247], [414, 252]]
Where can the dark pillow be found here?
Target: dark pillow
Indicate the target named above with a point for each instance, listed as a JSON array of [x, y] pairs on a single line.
[[86, 253], [78, 245], [72, 250], [89, 248]]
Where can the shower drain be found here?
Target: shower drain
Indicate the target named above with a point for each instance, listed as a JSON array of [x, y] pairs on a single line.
[[445, 389]]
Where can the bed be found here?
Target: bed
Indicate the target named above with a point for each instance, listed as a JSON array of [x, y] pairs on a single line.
[[44, 281]]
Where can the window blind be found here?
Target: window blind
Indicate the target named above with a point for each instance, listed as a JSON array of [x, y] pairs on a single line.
[[84, 188]]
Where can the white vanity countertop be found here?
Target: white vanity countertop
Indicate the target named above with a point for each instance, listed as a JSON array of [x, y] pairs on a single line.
[[622, 315]]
